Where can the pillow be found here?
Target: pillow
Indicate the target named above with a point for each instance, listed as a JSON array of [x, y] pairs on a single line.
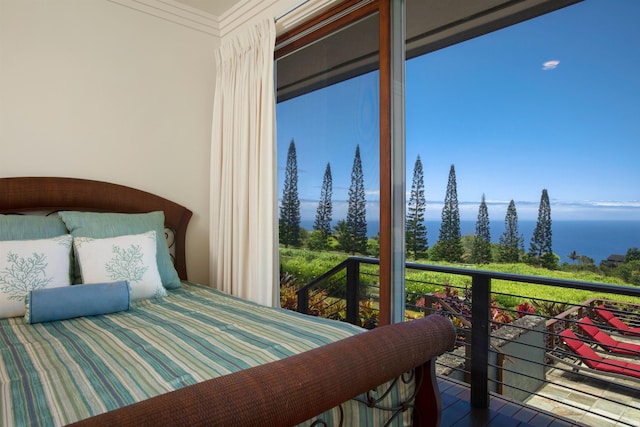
[[131, 258], [47, 305], [26, 265], [101, 225], [30, 227]]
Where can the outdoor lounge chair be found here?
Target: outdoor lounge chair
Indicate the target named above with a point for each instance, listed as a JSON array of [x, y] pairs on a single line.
[[612, 320], [605, 340], [597, 363]]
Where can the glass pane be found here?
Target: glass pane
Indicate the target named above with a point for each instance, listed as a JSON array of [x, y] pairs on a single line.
[[549, 104], [328, 161]]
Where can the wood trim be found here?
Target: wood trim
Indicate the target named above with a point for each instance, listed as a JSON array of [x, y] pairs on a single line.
[[386, 245], [383, 8]]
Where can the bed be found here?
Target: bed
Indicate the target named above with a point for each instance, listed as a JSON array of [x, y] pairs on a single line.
[[179, 353]]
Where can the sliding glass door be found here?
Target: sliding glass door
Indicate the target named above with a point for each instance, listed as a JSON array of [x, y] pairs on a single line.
[[345, 174]]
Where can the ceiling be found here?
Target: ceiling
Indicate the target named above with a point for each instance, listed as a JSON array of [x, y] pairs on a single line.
[[214, 7]]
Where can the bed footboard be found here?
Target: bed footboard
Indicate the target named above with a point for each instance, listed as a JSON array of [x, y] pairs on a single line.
[[295, 389]]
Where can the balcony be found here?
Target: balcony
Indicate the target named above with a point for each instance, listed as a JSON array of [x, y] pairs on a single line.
[[511, 356]]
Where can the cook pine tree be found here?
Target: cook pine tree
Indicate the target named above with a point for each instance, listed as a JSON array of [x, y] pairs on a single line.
[[289, 223], [540, 250], [416, 230], [355, 232], [449, 246], [324, 213], [481, 249], [511, 241]]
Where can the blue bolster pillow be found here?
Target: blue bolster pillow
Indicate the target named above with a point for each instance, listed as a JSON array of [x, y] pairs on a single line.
[[66, 302]]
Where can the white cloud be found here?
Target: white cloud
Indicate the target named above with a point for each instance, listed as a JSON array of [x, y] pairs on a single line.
[[550, 65], [616, 204]]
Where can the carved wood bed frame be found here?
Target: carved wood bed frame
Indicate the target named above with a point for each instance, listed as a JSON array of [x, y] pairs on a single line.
[[71, 194], [281, 393]]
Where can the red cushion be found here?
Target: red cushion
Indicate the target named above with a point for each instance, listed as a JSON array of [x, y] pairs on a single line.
[[605, 340], [610, 318], [596, 333], [589, 357], [628, 348], [594, 361], [619, 367], [615, 322]]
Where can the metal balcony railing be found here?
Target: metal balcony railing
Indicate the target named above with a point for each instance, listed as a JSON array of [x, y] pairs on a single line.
[[501, 349]]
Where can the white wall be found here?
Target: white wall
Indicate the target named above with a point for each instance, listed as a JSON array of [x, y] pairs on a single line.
[[98, 90], [93, 89]]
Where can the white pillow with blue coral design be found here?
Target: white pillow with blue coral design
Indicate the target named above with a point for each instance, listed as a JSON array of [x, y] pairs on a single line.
[[131, 258], [27, 265]]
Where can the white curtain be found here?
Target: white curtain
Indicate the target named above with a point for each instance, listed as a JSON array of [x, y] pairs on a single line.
[[244, 245]]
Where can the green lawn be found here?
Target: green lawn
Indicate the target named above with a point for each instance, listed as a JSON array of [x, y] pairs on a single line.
[[305, 265]]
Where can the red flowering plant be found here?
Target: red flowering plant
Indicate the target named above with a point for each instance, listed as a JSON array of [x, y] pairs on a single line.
[[368, 314], [318, 301], [450, 304], [525, 308], [499, 316]]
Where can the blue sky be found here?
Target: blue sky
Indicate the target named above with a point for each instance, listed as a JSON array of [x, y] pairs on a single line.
[[550, 103]]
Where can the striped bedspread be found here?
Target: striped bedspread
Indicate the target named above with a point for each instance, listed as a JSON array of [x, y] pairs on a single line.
[[55, 373]]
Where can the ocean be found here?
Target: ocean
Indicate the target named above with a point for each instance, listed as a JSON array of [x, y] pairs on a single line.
[[596, 239]]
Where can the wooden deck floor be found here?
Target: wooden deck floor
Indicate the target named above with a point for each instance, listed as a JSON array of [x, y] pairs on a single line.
[[457, 410]]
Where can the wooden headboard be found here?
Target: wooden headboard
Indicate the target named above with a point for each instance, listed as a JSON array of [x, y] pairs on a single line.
[[49, 194]]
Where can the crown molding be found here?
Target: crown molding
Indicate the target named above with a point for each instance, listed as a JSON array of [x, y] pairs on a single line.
[[297, 12], [243, 12], [177, 13], [301, 12]]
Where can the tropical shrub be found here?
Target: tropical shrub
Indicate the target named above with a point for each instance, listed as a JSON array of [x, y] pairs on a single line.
[[524, 308]]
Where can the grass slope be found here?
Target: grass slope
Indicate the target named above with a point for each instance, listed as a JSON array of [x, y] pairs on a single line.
[[305, 265]]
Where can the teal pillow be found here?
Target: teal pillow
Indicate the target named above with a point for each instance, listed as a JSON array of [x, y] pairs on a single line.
[[104, 225], [30, 227], [67, 302]]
